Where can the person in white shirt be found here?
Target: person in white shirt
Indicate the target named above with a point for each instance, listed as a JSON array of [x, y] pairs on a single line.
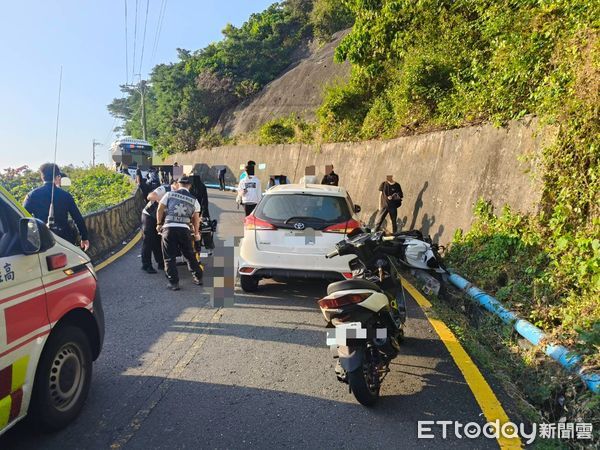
[[177, 211], [249, 190]]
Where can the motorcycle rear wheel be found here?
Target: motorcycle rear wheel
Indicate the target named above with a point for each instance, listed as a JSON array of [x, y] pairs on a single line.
[[359, 384]]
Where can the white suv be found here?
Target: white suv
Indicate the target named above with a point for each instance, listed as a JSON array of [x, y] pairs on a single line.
[[292, 229]]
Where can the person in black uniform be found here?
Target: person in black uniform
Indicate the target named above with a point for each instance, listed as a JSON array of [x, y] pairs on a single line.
[[390, 200], [177, 210], [38, 201], [151, 243], [331, 178], [222, 173]]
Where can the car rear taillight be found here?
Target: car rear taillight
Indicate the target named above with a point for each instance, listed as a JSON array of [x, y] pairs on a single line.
[[247, 270], [344, 227], [332, 303], [252, 222]]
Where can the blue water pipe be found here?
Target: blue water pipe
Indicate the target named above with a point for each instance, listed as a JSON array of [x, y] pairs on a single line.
[[216, 186], [562, 355]]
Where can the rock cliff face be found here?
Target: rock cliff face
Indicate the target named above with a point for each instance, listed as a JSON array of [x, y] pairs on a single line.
[[299, 92]]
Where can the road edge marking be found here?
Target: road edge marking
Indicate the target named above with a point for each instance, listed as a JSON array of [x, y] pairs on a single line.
[[484, 395], [120, 253]]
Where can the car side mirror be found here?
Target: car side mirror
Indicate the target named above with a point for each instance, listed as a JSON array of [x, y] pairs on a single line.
[[29, 236], [357, 209]]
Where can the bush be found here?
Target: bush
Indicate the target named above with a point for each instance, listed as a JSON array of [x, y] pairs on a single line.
[[92, 188], [286, 130], [329, 17]]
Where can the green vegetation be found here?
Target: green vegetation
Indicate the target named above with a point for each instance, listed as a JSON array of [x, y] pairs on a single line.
[[286, 130], [441, 63], [93, 188], [328, 17], [185, 99]]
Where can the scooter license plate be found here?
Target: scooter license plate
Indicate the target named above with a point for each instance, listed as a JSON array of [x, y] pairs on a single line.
[[345, 331]]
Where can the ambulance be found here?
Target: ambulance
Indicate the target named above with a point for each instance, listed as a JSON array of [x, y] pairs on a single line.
[[51, 322]]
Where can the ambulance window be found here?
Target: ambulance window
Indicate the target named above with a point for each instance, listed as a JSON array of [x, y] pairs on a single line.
[[9, 239]]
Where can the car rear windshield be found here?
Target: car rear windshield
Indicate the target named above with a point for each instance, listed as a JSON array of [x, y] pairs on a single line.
[[315, 211]]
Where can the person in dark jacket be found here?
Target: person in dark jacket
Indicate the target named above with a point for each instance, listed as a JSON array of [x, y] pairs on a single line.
[[38, 201], [222, 173], [390, 200], [331, 178]]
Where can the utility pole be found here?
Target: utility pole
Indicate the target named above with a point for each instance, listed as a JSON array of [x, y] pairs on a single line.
[[142, 88], [94, 145]]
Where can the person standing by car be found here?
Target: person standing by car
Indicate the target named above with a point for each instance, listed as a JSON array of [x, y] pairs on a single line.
[[151, 243], [249, 190], [177, 211], [222, 173], [331, 178], [38, 203], [389, 201]]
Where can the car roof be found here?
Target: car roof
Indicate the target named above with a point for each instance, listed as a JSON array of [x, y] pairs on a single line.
[[320, 189]]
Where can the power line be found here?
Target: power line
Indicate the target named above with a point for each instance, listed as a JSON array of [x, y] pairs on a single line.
[[144, 37], [126, 48], [134, 39], [159, 24]]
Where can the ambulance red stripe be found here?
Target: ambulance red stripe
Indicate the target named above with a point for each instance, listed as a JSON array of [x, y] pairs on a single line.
[[25, 317], [40, 287], [18, 346]]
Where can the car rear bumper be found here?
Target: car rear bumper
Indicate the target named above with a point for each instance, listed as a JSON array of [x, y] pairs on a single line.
[[290, 265], [298, 274]]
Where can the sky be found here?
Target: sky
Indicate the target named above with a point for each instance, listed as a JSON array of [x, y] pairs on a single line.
[[87, 38]]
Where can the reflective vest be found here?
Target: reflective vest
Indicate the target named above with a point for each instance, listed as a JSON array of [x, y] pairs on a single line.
[[180, 207]]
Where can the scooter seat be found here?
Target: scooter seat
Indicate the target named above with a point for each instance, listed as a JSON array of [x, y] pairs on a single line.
[[346, 285]]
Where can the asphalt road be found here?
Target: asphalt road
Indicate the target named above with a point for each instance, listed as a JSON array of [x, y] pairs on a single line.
[[177, 373]]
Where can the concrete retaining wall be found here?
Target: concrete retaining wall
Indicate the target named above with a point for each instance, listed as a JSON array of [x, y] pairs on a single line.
[[442, 173], [109, 227]]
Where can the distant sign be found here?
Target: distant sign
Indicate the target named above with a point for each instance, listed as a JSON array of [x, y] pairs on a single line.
[[262, 166]]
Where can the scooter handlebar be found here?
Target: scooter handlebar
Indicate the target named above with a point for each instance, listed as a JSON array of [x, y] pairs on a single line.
[[332, 254]]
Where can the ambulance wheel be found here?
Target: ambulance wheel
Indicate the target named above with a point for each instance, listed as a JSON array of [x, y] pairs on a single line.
[[62, 379], [249, 283]]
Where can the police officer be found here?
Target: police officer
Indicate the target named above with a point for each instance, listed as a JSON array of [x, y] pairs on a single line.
[[177, 210], [151, 243], [38, 202]]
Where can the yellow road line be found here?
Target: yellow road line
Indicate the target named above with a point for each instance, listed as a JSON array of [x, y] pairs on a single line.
[[483, 393], [120, 253]]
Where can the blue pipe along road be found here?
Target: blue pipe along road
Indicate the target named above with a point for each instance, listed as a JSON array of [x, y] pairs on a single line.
[[559, 353]]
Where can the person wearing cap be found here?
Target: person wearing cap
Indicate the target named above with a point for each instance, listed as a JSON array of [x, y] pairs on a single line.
[[38, 202], [177, 211]]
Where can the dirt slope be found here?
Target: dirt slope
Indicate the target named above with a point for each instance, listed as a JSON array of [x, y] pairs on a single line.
[[298, 91]]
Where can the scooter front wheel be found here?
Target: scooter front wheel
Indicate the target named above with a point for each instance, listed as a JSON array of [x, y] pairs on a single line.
[[363, 386]]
